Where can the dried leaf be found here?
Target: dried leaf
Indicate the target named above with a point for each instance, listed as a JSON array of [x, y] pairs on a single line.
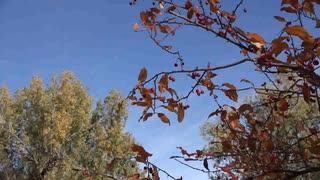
[[214, 113], [155, 173], [190, 13], [279, 18], [299, 31], [244, 107], [283, 105], [318, 24], [268, 145], [163, 83], [164, 118], [147, 116], [142, 153], [188, 5], [142, 75], [289, 9], [180, 112], [256, 38], [306, 92], [232, 94]]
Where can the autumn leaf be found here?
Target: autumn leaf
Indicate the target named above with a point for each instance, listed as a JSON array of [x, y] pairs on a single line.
[[135, 176], [283, 105], [279, 18], [146, 116], [232, 94], [190, 13], [163, 83], [155, 175], [300, 32], [180, 112], [142, 75], [306, 92], [244, 107], [142, 153], [268, 145], [256, 38], [164, 118], [214, 113]]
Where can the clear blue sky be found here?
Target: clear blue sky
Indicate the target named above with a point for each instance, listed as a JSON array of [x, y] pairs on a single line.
[[95, 39]]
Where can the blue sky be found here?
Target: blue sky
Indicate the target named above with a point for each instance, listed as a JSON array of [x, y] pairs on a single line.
[[95, 40]]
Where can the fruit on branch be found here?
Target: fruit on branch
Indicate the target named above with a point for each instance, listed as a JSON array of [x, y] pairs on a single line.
[[232, 18], [310, 66], [222, 32], [274, 156], [139, 86], [202, 91], [290, 78], [171, 78], [315, 62], [229, 29], [245, 10], [175, 65], [198, 92], [186, 107]]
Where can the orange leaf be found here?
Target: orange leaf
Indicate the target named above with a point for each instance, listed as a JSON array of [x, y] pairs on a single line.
[[306, 92], [142, 153], [190, 13], [188, 5], [256, 38], [232, 94], [214, 113], [288, 9], [244, 107], [283, 105], [134, 176], [162, 29], [268, 145], [147, 116], [164, 118], [180, 112], [163, 83], [155, 175], [136, 26], [232, 87], [142, 75], [299, 31], [279, 18]]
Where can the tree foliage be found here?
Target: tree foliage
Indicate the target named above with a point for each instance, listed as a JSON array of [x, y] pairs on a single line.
[[258, 144], [51, 132]]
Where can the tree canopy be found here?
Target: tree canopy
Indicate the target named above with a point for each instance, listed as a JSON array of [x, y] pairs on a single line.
[[54, 132]]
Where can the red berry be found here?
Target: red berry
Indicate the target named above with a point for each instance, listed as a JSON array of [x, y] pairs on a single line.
[[175, 65], [198, 92], [139, 86], [152, 90], [245, 10], [315, 62], [222, 32], [310, 66], [202, 91], [274, 156], [202, 22], [290, 78], [229, 29], [232, 18], [186, 107], [171, 78], [278, 81], [130, 3], [270, 64]]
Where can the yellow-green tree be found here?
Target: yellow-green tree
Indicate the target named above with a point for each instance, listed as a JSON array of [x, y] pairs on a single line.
[[50, 132]]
